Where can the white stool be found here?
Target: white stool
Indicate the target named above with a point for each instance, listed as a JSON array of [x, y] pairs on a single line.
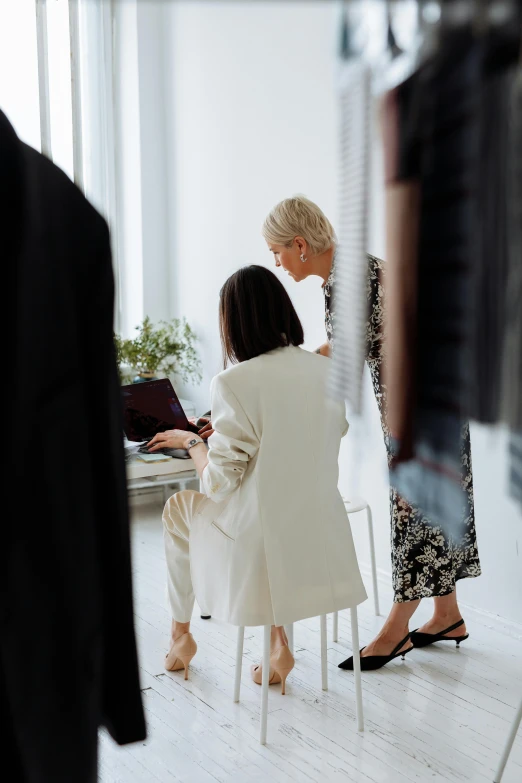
[[352, 507], [324, 668]]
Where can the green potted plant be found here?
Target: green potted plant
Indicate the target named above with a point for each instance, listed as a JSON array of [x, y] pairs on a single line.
[[166, 348]]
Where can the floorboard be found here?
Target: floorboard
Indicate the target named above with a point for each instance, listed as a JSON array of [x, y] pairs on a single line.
[[442, 715]]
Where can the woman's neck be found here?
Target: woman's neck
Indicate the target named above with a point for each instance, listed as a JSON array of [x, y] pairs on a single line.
[[321, 265]]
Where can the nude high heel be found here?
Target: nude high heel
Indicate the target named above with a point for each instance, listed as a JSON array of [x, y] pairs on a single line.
[[181, 653], [281, 664]]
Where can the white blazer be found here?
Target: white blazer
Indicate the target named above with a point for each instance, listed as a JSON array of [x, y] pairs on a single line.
[[273, 544]]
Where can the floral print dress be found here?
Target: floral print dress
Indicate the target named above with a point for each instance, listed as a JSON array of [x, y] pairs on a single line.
[[425, 563]]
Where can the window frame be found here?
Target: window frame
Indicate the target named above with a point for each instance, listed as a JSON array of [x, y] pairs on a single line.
[[91, 42]]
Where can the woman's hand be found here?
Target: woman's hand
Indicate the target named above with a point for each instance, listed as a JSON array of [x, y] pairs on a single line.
[[206, 431], [205, 426], [323, 350], [171, 439]]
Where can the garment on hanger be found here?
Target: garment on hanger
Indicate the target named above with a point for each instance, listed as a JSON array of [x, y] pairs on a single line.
[[357, 79], [453, 151], [511, 404], [427, 561], [351, 258], [467, 250], [511, 400], [498, 238], [402, 199], [440, 153]]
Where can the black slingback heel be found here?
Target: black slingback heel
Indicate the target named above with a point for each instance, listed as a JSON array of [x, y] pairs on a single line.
[[419, 639], [372, 662]]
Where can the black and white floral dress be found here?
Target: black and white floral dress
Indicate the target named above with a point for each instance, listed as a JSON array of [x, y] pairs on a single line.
[[425, 563]]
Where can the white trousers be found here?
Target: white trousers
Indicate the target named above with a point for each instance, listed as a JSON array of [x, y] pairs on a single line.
[[178, 514]]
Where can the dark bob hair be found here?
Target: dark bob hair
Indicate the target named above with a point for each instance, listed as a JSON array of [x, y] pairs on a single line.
[[256, 315]]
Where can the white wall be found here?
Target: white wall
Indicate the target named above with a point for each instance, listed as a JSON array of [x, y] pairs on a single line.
[[252, 121], [251, 118]]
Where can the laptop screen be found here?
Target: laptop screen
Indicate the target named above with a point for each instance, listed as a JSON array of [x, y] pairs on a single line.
[[151, 407]]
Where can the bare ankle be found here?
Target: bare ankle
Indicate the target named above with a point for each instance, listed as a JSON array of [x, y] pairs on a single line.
[[179, 629], [445, 607], [393, 632], [449, 615]]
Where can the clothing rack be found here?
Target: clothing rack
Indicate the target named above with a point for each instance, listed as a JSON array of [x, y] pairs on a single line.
[[396, 62]]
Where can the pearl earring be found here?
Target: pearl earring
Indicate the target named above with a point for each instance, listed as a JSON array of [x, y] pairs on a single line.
[[302, 257]]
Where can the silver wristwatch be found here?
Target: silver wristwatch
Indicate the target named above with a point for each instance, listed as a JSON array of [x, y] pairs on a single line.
[[193, 442]]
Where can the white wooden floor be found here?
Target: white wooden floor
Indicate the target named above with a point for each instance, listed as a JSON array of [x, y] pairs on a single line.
[[441, 715]]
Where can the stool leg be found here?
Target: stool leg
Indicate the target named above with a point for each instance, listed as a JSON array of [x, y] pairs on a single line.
[[324, 654], [239, 662], [509, 744], [357, 669], [335, 633], [290, 636], [264, 684], [372, 558]]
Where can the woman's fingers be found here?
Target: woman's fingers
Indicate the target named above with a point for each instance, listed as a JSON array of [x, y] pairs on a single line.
[[159, 441], [206, 432], [156, 447], [156, 439]]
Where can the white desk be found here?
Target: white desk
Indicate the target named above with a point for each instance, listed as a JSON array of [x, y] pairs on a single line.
[[136, 469], [148, 475]]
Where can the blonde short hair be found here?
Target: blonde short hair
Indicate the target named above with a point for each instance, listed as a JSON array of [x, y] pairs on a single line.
[[299, 217]]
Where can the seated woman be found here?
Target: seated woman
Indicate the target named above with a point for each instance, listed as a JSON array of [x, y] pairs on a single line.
[[269, 542]]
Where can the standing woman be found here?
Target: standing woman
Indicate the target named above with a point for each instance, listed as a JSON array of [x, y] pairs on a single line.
[[425, 563]]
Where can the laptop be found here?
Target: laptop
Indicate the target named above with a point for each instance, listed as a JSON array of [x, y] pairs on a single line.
[[151, 407]]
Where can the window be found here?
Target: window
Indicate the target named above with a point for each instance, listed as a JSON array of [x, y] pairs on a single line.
[[19, 69], [56, 87]]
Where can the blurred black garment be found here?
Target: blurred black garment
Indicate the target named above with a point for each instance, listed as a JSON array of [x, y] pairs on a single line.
[[511, 403], [498, 246], [402, 206], [511, 412], [427, 559], [438, 148], [68, 661], [454, 143]]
